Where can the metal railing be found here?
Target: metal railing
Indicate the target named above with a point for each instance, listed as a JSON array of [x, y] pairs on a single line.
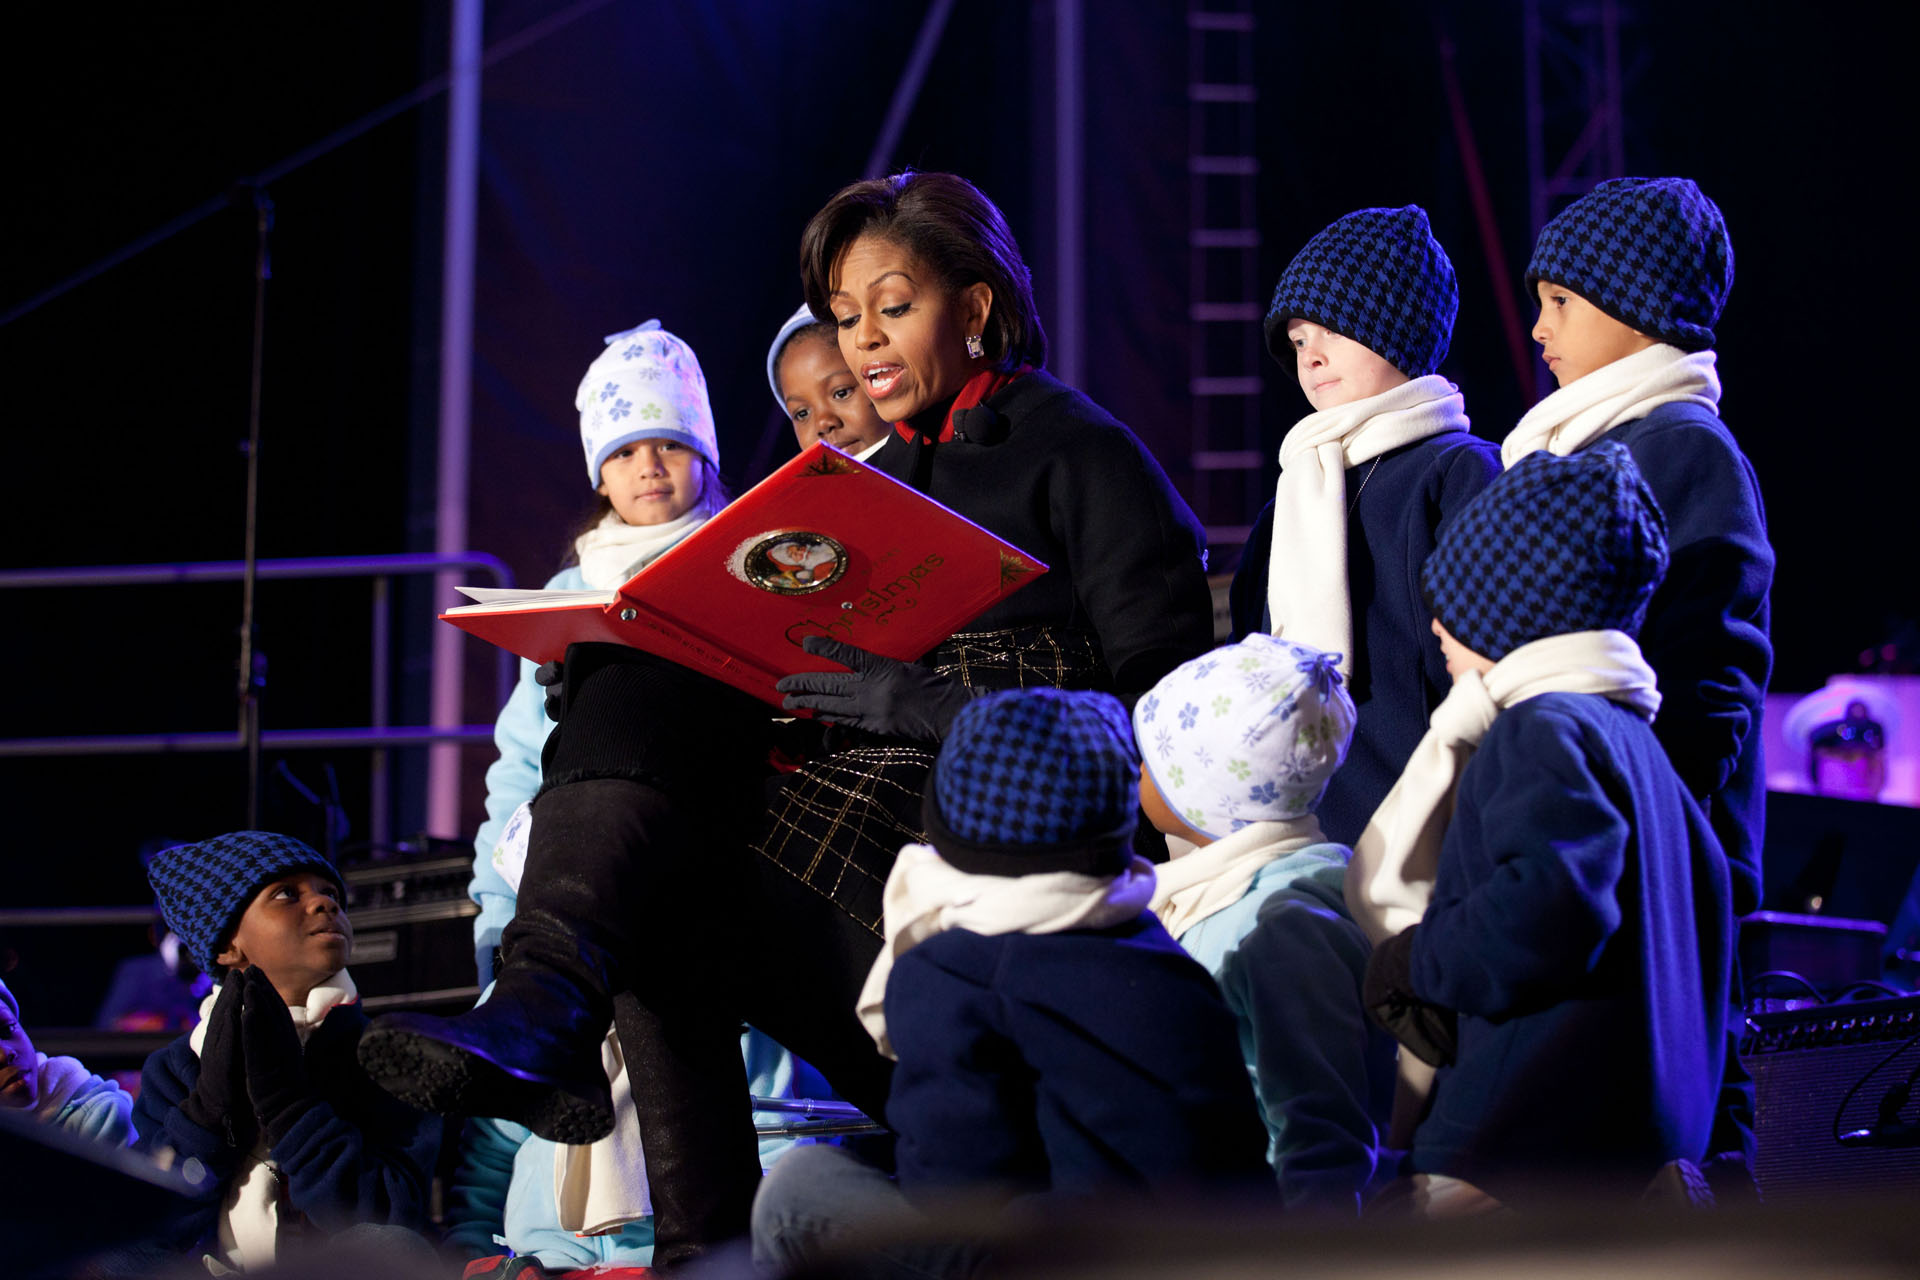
[[377, 736]]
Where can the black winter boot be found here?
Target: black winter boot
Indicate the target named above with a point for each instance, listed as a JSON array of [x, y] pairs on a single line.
[[633, 779], [531, 1053], [703, 1157]]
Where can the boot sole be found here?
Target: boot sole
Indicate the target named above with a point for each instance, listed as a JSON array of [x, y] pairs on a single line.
[[447, 1080]]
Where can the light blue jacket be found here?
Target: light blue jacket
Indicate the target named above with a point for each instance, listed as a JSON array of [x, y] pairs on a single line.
[[501, 1195], [520, 732], [96, 1109], [1289, 960]]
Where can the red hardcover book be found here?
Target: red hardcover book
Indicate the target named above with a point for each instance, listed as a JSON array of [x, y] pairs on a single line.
[[824, 546]]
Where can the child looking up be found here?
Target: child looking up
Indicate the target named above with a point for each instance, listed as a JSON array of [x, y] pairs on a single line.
[[653, 457], [815, 389], [1550, 889], [264, 1095], [58, 1091], [1237, 748], [1363, 316], [1630, 280]]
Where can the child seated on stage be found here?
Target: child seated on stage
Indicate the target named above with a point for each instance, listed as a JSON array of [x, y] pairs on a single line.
[[1237, 748], [263, 1101], [1552, 912], [1050, 1035], [58, 1091]]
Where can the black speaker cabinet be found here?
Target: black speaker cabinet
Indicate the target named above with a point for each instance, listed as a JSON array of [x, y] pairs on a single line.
[[1825, 1071], [412, 933]]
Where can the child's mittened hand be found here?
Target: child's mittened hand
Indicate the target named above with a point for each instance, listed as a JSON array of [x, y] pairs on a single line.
[[881, 695], [1427, 1031], [552, 676], [276, 1063], [218, 1101]]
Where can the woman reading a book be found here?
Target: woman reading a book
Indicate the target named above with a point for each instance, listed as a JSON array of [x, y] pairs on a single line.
[[670, 859]]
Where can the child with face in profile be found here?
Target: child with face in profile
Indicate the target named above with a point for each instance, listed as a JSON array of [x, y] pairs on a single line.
[[263, 1103], [1630, 280], [818, 393]]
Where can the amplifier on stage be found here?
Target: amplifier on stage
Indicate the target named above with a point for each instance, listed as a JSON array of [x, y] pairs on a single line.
[[1836, 1108], [412, 932]]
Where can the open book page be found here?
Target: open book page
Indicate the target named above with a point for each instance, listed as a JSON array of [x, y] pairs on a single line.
[[525, 597]]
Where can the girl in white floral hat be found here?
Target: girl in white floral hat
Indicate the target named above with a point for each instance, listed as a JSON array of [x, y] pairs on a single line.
[[1236, 749]]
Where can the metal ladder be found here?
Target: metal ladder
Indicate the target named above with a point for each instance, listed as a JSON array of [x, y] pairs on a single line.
[[1225, 306]]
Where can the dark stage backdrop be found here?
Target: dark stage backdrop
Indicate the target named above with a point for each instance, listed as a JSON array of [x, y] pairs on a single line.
[[658, 159]]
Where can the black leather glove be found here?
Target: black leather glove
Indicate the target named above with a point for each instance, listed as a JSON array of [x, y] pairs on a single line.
[[552, 676], [218, 1100], [1429, 1032], [880, 695], [277, 1080]]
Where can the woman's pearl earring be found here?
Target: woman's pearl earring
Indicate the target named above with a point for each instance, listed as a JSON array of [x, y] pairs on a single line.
[[976, 346]]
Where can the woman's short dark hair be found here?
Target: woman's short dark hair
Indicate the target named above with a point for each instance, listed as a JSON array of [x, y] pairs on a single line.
[[948, 224]]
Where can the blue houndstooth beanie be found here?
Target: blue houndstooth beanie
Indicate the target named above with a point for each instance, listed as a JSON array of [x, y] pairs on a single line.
[[1652, 253], [204, 888], [1379, 277], [1035, 780], [1554, 545]]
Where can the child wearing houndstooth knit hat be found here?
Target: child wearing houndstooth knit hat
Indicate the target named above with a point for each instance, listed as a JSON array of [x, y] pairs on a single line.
[[1007, 938], [264, 1097], [1552, 915], [1630, 280], [1237, 748], [1362, 317]]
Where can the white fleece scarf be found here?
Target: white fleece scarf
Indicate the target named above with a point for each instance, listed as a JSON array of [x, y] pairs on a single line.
[[1587, 408], [926, 895], [613, 550], [249, 1226], [599, 1188], [1307, 571], [1390, 879], [1195, 885]]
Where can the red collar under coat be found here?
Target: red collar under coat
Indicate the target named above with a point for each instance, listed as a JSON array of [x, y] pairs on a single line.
[[976, 389]]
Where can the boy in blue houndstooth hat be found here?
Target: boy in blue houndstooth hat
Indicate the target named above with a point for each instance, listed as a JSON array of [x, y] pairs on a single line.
[[1630, 280], [1551, 913], [1237, 748], [1362, 317], [262, 1103], [1050, 1035]]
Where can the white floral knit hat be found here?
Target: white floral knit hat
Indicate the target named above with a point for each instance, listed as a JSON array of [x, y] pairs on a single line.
[[1249, 733], [646, 385]]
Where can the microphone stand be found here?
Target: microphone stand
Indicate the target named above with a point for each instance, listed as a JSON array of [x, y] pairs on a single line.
[[252, 672]]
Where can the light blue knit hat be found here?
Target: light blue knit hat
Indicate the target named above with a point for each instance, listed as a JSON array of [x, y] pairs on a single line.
[[646, 385]]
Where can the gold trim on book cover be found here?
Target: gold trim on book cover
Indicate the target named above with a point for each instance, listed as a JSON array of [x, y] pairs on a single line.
[[1013, 568], [828, 463]]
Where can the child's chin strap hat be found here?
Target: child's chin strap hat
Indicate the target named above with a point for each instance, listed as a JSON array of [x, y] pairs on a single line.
[[646, 385], [205, 888], [1554, 545], [1249, 733], [1035, 780], [1376, 276], [1653, 253]]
